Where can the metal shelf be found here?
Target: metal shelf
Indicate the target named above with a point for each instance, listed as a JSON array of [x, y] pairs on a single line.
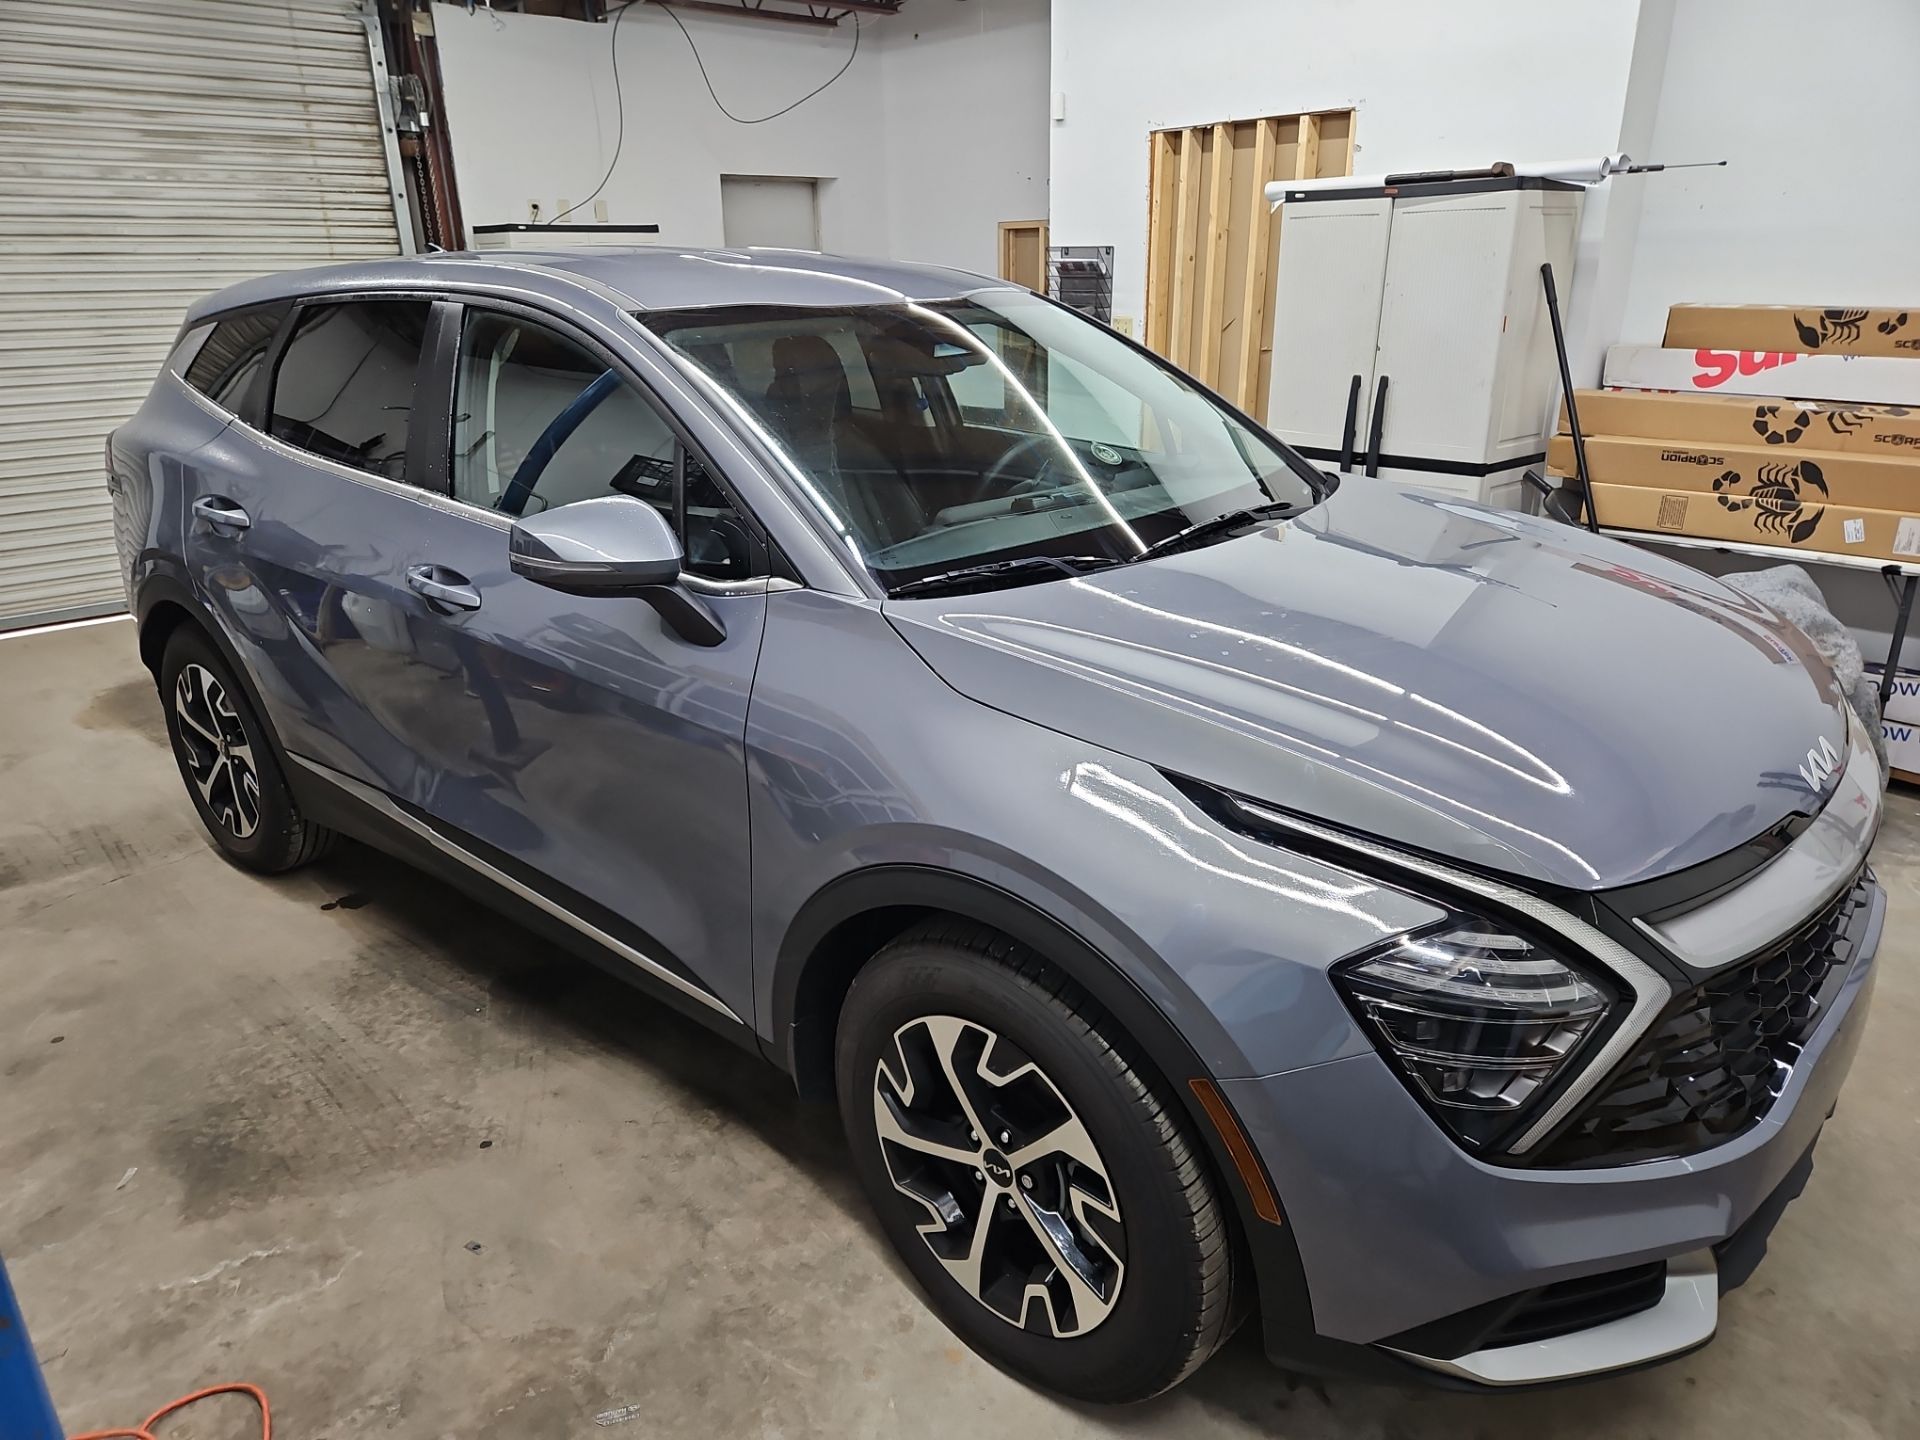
[[1781, 554], [1901, 577]]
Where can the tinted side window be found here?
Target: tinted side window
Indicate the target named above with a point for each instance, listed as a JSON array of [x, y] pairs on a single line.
[[230, 357], [345, 386], [540, 421]]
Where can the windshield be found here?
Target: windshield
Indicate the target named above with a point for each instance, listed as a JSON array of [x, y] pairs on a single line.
[[996, 428]]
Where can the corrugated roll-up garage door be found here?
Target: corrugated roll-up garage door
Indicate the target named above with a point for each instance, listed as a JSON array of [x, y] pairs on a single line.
[[152, 151]]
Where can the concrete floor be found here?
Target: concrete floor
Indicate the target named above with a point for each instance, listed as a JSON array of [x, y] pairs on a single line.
[[417, 1174]]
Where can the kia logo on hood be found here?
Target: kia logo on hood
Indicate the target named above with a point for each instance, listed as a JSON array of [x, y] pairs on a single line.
[[1822, 761]]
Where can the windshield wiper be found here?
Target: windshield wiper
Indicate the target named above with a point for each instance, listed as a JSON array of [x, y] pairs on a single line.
[[1207, 529], [993, 573]]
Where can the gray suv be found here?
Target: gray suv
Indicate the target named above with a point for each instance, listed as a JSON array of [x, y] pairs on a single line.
[[1207, 886]]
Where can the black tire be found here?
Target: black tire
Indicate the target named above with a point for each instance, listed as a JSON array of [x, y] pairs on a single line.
[[1175, 1302], [269, 834]]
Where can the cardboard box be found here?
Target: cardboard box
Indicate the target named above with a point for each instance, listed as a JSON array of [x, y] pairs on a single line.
[[1835, 529], [1846, 379], [1903, 703], [1771, 479], [1903, 749], [1808, 329], [1900, 724], [1740, 420]]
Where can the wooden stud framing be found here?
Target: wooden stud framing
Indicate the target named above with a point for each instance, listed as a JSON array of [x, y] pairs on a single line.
[[1211, 239], [1219, 216], [1306, 159], [1156, 327], [1186, 247], [1259, 222]]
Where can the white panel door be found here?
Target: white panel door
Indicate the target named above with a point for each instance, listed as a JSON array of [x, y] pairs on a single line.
[[768, 210], [1326, 317], [152, 151], [1441, 323]]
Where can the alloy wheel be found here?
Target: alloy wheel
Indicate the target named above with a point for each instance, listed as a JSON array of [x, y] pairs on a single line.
[[219, 757], [1019, 1208]]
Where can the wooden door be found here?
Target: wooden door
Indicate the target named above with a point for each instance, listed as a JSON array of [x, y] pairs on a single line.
[[1023, 253]]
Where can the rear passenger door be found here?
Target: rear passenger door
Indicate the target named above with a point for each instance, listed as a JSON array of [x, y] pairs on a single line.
[[301, 518]]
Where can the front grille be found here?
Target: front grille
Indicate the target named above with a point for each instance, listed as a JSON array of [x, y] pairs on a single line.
[[1713, 1065]]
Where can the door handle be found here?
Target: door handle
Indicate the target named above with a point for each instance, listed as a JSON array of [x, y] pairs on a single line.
[[1351, 427], [443, 588], [1378, 426], [221, 513]]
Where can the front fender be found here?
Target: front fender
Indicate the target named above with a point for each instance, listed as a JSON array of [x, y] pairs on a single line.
[[810, 973], [867, 770]]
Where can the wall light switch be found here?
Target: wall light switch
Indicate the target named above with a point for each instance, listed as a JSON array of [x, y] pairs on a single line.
[[1059, 104]]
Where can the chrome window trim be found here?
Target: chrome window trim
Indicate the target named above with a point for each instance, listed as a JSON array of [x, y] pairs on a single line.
[[377, 800], [757, 585], [1650, 991], [219, 412], [430, 498], [1685, 1316]]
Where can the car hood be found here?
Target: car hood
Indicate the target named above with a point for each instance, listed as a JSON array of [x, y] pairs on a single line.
[[1506, 691]]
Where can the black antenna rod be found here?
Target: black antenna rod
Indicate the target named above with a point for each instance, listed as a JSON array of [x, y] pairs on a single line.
[[1566, 385]]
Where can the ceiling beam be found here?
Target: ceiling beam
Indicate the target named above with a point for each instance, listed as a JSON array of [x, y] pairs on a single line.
[[750, 12], [818, 12]]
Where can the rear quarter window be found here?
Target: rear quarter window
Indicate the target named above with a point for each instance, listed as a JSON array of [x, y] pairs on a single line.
[[230, 356]]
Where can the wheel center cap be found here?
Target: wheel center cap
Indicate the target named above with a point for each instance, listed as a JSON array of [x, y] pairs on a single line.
[[996, 1168]]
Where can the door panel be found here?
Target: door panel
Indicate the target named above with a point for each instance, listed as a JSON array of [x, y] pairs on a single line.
[[1443, 287], [1327, 318], [577, 736], [310, 590], [581, 736], [586, 740], [577, 739]]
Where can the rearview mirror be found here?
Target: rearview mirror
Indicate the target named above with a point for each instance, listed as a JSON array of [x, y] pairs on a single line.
[[613, 545]]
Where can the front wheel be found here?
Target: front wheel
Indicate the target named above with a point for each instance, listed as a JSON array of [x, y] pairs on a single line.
[[1031, 1173]]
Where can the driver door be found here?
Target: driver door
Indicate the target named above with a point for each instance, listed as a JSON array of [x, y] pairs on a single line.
[[577, 743]]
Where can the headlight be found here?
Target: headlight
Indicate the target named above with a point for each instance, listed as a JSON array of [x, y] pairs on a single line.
[[1478, 1020]]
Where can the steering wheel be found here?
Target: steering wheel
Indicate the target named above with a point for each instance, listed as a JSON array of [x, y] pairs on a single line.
[[986, 490]]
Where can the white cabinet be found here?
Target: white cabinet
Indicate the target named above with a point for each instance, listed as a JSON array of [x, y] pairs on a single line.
[[1411, 335], [1342, 244]]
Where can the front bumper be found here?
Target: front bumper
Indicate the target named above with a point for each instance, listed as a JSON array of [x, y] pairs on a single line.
[[1390, 1226]]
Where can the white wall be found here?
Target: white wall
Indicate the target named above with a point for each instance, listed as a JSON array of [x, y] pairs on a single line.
[[532, 112], [966, 126], [935, 134], [1435, 86], [1817, 111]]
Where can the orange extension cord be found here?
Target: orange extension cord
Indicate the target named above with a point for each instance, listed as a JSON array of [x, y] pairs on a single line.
[[145, 1430]]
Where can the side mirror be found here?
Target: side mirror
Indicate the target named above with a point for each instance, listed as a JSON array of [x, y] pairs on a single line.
[[613, 545]]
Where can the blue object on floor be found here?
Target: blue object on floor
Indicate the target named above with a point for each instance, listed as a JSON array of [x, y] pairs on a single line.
[[26, 1410]]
